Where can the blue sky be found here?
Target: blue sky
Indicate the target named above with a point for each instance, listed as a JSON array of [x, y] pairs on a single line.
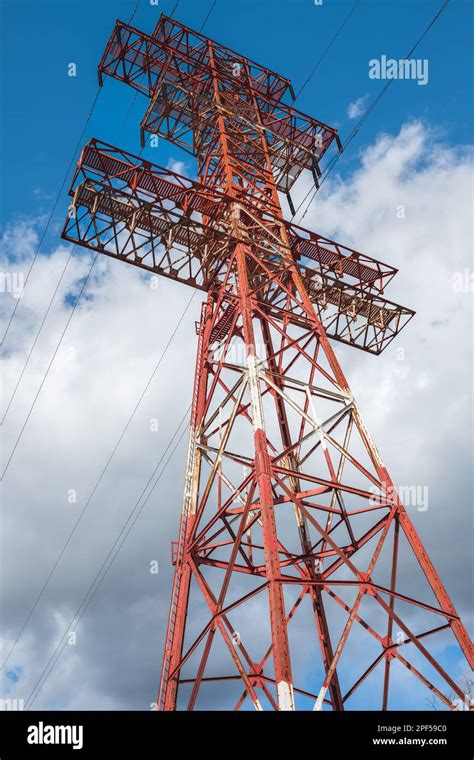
[[47, 109]]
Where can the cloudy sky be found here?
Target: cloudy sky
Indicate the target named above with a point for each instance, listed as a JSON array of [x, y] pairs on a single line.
[[404, 195]]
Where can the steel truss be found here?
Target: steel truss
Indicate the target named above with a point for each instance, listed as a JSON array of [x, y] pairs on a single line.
[[288, 510]]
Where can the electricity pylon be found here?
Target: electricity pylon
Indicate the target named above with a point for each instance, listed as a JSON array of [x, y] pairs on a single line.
[[288, 510]]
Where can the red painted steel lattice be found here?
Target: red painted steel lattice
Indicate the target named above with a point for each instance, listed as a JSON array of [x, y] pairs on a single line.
[[288, 510]]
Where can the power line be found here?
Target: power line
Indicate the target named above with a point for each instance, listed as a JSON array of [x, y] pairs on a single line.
[[99, 480], [57, 287], [364, 117], [134, 11], [48, 368], [70, 254], [326, 50], [134, 410], [85, 601], [174, 9], [126, 426], [43, 235], [213, 5], [37, 336]]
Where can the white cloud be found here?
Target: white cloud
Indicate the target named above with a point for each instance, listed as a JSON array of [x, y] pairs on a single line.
[[180, 167], [357, 108]]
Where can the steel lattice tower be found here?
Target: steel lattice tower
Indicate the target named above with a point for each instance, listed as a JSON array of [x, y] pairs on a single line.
[[288, 509]]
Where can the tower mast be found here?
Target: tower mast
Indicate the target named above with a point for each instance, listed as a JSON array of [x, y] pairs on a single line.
[[288, 510]]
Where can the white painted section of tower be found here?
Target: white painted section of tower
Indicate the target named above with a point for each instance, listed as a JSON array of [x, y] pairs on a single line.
[[255, 400], [316, 421], [319, 702], [286, 698], [188, 505]]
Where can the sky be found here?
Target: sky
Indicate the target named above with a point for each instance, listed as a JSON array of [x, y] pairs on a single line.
[[414, 151]]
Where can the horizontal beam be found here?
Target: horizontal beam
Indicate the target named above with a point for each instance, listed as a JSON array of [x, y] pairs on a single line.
[[122, 170], [154, 219], [176, 72], [149, 236], [168, 30]]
